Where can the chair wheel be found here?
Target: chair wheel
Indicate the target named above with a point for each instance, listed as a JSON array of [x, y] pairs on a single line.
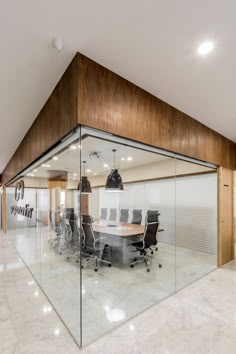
[[152, 252], [77, 261], [131, 266], [82, 267], [160, 265], [109, 265], [156, 249], [148, 269], [95, 269], [68, 258]]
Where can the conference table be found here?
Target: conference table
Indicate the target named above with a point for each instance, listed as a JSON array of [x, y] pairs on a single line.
[[120, 237]]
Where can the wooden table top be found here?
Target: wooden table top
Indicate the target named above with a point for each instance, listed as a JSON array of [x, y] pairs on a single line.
[[120, 229]]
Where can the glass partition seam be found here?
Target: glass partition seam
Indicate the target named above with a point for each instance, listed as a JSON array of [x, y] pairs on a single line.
[[81, 245]]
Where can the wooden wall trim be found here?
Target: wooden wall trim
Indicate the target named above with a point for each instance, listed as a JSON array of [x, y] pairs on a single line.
[[110, 103], [225, 216], [94, 96], [56, 119]]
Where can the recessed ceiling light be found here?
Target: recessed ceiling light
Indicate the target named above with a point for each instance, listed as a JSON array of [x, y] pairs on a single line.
[[47, 165], [88, 170], [73, 147], [74, 174], [105, 165], [123, 159], [205, 48], [32, 175], [43, 165], [74, 178], [35, 170], [129, 158], [95, 174], [55, 158]]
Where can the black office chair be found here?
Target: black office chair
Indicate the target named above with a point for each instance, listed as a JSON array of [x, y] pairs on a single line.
[[153, 216], [124, 215], [149, 239], [103, 215], [92, 243], [137, 216], [113, 214]]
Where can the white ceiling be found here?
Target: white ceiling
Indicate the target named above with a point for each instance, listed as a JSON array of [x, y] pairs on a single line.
[[69, 159], [152, 43]]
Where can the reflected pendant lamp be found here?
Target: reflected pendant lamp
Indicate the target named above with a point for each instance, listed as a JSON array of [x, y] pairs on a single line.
[[84, 186], [114, 181]]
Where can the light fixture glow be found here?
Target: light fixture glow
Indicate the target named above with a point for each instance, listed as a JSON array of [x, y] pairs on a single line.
[[73, 147], [55, 158], [88, 171], [105, 165], [129, 158], [74, 174], [205, 48], [115, 315], [35, 170], [123, 159], [36, 293], [57, 332]]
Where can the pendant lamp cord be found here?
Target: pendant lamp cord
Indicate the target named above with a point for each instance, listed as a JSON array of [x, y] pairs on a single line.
[[114, 158]]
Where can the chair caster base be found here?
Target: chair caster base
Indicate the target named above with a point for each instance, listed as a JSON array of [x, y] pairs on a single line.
[[156, 249], [131, 266], [160, 266], [109, 265], [148, 269], [82, 267], [95, 269]]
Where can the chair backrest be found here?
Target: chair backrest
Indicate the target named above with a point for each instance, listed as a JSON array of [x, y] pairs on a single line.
[[124, 215], [113, 214], [137, 216], [153, 215], [88, 231], [150, 233], [103, 215]]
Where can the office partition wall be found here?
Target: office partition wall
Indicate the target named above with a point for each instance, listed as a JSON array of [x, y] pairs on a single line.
[[109, 227]]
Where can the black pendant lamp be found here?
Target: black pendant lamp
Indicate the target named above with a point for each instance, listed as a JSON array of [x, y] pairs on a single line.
[[114, 181], [85, 184]]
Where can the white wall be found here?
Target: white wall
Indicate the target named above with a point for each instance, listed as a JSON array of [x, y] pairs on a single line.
[[188, 207]]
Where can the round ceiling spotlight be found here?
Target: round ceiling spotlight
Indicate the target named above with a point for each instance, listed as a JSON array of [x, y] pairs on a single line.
[[205, 48], [57, 43]]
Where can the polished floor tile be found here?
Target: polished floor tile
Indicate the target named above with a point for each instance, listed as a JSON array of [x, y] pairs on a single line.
[[113, 295], [199, 319]]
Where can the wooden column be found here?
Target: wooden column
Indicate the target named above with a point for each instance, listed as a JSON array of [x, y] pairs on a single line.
[[225, 216]]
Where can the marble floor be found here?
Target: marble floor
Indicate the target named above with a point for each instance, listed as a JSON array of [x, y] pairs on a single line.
[[201, 318], [113, 295]]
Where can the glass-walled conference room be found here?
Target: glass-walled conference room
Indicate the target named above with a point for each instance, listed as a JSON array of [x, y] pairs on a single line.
[[109, 227]]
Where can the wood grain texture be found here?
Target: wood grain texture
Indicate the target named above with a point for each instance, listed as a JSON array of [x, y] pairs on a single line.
[[110, 103], [56, 119], [225, 216]]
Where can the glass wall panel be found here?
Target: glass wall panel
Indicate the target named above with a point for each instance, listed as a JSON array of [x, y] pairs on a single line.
[[109, 228], [196, 222], [43, 222], [129, 232]]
